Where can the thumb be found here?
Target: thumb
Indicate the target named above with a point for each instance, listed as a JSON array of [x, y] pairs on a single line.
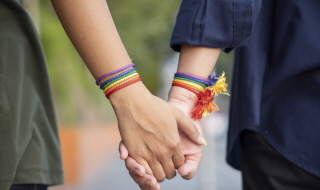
[[123, 151], [189, 168], [189, 128]]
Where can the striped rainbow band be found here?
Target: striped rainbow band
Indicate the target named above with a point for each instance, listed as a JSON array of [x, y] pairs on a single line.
[[119, 81]]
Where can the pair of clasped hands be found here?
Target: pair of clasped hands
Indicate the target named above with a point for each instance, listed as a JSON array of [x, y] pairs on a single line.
[[162, 136], [159, 137]]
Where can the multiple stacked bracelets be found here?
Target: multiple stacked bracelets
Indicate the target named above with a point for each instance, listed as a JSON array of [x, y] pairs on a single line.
[[205, 89], [119, 81]]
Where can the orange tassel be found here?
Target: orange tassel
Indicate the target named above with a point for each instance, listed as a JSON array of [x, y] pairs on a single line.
[[204, 105]]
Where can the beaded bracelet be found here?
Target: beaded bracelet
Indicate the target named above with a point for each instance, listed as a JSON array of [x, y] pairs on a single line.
[[113, 72], [120, 81], [205, 89]]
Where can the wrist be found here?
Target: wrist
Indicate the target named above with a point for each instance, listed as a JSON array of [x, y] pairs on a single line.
[[129, 96], [178, 94]]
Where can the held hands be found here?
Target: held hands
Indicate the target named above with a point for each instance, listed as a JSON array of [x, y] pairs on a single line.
[[185, 101], [149, 130]]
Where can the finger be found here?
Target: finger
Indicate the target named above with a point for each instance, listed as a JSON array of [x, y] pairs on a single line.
[[157, 170], [134, 168], [189, 168], [189, 128], [178, 158], [150, 188], [144, 164], [123, 151], [145, 181], [169, 169]]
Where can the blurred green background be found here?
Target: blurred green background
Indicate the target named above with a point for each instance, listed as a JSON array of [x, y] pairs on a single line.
[[145, 27]]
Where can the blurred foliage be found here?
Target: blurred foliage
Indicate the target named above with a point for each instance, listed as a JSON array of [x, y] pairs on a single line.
[[145, 27]]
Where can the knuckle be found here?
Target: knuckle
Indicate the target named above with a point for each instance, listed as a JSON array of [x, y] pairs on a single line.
[[173, 143], [162, 152], [180, 162], [137, 153]]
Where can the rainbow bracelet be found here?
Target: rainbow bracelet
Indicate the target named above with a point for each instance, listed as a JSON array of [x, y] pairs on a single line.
[[116, 77], [192, 77], [205, 89], [189, 84], [120, 81], [114, 72]]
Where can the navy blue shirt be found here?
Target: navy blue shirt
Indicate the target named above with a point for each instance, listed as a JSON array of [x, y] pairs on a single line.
[[276, 79]]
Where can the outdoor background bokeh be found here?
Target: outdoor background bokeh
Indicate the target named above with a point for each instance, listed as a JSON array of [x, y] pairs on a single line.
[[145, 27]]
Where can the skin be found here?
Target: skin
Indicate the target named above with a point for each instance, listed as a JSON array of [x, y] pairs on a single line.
[[194, 60], [148, 126], [191, 151]]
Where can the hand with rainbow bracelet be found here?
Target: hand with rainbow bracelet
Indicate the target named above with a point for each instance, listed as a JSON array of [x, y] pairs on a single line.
[[148, 125], [159, 134], [193, 94]]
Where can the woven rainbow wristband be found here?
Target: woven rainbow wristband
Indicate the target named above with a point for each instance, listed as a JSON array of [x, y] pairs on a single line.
[[190, 80], [120, 81], [192, 77], [116, 77], [113, 72], [189, 84], [216, 85], [122, 86]]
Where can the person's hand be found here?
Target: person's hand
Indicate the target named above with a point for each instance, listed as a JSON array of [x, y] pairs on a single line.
[[137, 171], [185, 101], [149, 130]]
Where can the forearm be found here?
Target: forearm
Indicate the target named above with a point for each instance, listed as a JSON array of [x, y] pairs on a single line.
[[91, 29], [197, 60], [194, 60]]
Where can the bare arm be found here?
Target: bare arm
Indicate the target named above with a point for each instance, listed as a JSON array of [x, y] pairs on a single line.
[[148, 125], [91, 29], [198, 61]]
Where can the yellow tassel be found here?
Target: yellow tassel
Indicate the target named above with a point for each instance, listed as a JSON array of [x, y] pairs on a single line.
[[205, 103]]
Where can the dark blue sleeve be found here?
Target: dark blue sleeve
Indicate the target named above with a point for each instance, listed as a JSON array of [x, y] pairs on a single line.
[[223, 24]]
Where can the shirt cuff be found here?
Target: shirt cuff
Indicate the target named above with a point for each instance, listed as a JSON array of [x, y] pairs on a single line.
[[225, 24]]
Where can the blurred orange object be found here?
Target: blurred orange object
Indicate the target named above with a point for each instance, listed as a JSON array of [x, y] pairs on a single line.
[[86, 149]]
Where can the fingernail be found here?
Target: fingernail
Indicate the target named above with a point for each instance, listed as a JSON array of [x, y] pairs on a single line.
[[148, 183], [136, 172], [202, 140]]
